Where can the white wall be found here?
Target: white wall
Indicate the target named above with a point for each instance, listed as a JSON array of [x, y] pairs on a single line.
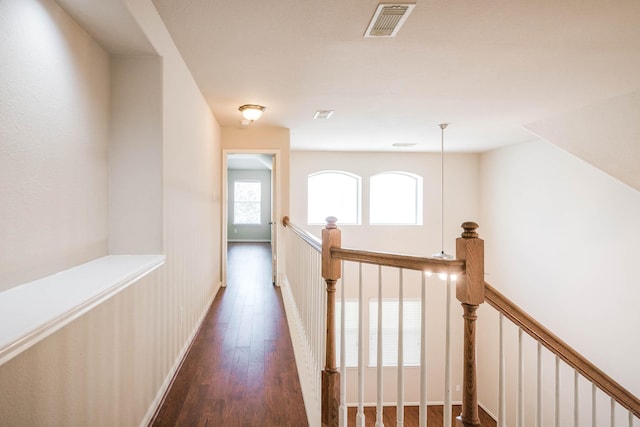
[[461, 201], [54, 87], [461, 197], [563, 246], [110, 366]]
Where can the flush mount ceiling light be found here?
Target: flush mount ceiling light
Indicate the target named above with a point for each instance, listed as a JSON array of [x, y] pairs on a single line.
[[251, 112]]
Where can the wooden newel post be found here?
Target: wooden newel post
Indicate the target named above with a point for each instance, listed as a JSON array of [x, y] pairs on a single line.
[[331, 272], [470, 292]]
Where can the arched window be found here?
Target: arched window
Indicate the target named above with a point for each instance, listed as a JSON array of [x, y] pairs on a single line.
[[395, 198], [333, 193]]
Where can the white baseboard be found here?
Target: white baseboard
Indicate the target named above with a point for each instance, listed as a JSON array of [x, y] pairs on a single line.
[[171, 376]]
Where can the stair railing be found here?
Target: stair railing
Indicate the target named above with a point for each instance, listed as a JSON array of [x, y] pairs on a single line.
[[471, 291], [469, 270], [544, 338]]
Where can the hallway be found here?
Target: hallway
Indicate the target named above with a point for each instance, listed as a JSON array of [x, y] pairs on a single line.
[[240, 370]]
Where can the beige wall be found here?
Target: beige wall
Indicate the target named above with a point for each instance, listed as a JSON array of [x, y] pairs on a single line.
[[563, 246], [260, 139], [269, 140], [135, 155], [461, 202], [110, 366], [54, 86]]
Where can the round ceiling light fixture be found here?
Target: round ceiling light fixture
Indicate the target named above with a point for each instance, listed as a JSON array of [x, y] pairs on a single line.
[[252, 112]]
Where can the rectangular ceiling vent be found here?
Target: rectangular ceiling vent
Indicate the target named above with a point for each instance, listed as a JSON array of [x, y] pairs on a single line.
[[388, 19]]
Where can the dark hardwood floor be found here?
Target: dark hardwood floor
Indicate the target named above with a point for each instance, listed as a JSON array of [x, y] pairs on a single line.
[[240, 370]]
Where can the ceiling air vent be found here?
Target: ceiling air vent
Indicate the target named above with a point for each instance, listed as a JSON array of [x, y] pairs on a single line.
[[388, 19]]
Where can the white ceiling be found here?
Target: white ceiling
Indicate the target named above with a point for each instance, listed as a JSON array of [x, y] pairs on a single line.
[[487, 67], [250, 161]]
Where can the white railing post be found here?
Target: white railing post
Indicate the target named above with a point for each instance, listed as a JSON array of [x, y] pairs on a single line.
[[423, 354], [400, 405], [379, 354], [447, 356]]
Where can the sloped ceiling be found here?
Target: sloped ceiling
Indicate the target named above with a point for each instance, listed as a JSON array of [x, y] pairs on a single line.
[[605, 134]]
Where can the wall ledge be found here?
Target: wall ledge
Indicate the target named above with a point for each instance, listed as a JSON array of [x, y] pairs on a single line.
[[32, 311]]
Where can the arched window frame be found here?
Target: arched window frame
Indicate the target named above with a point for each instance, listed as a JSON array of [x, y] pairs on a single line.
[[350, 180], [417, 201]]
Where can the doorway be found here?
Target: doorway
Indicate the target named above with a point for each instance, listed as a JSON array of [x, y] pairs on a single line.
[[250, 202]]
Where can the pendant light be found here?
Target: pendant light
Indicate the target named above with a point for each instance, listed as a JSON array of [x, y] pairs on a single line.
[[442, 254]]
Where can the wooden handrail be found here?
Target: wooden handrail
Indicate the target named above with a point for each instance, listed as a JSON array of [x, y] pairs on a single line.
[[312, 240], [561, 349], [433, 265]]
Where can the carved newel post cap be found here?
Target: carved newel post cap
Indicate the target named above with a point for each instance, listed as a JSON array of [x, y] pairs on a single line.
[[331, 222], [469, 230]]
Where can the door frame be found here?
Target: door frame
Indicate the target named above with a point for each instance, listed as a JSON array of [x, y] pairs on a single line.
[[275, 207]]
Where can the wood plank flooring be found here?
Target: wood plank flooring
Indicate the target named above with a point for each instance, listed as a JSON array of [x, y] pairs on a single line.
[[412, 416], [240, 370]]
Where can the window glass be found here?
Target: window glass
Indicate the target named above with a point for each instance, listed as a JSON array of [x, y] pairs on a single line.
[[411, 336], [246, 202], [395, 198], [333, 193]]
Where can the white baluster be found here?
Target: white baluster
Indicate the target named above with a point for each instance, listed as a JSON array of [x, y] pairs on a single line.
[[400, 407], [379, 350], [520, 392], [594, 390], [343, 361], [576, 400], [539, 389], [423, 354], [502, 401], [557, 397], [612, 421], [447, 357], [360, 415], [630, 419]]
